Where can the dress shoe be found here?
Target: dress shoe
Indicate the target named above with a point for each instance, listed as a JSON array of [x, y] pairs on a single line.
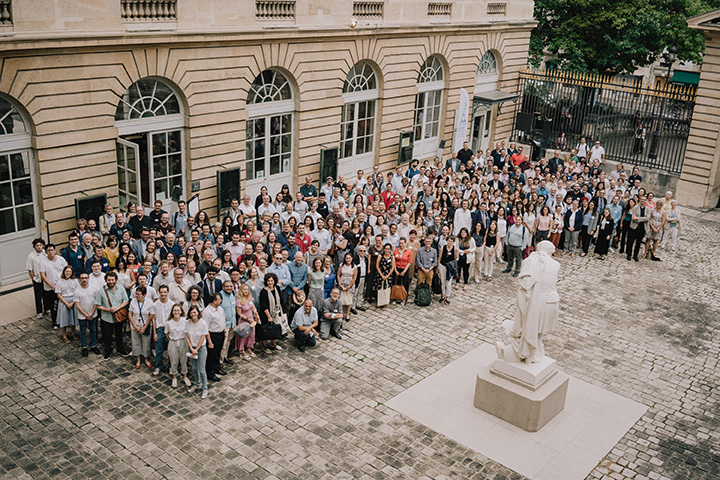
[[214, 378], [337, 335], [515, 274], [507, 270], [229, 362], [95, 350], [353, 311], [301, 348], [636, 259], [84, 352], [629, 257], [221, 372], [361, 308]]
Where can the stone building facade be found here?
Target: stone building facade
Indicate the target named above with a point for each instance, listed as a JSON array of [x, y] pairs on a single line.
[[140, 99], [699, 184]]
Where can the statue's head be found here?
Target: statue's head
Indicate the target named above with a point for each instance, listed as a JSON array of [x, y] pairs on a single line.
[[546, 246]]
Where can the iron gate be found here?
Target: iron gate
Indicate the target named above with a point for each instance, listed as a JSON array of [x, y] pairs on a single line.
[[635, 123]]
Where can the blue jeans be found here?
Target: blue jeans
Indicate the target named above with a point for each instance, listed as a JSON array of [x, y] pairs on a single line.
[[198, 366], [84, 324], [160, 347]]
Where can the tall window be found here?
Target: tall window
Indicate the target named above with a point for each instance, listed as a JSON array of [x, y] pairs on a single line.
[[17, 204], [428, 107], [269, 132], [357, 128], [486, 79], [150, 153]]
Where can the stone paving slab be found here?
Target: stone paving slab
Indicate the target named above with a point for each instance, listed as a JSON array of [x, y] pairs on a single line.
[[646, 331]]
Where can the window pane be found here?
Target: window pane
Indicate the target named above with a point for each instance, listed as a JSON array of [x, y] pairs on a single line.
[[175, 182], [275, 125], [260, 128], [121, 179], [260, 168], [160, 167], [175, 164], [7, 222], [20, 165], [159, 143], [259, 149], [347, 149], [287, 123], [274, 164], [132, 182], [249, 170], [6, 195], [362, 107], [25, 217], [285, 163], [4, 168], [174, 141], [161, 186], [274, 145], [286, 140]]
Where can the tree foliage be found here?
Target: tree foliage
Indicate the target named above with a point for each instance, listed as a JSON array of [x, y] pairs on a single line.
[[615, 36]]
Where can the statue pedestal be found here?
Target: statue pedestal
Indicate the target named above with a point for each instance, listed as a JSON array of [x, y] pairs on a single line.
[[527, 395]]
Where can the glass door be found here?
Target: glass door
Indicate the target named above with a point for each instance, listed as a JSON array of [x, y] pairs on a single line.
[[269, 153], [128, 159]]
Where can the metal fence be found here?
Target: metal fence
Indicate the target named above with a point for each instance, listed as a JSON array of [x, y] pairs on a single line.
[[635, 123]]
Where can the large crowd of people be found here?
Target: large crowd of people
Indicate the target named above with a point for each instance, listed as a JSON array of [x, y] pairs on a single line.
[[297, 266]]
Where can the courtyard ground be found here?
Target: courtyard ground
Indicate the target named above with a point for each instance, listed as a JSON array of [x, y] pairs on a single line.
[[647, 331]]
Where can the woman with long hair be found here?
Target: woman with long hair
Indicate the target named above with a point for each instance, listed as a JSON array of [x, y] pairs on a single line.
[[466, 256], [384, 269], [490, 245], [316, 280], [270, 309], [66, 312], [247, 312], [543, 224], [177, 346], [197, 337], [193, 298], [403, 261], [346, 283], [589, 224], [605, 229], [626, 219]]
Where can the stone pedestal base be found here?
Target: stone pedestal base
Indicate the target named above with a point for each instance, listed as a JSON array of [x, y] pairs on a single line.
[[525, 407]]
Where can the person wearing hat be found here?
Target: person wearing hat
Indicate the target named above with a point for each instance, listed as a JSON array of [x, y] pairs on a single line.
[[303, 325]]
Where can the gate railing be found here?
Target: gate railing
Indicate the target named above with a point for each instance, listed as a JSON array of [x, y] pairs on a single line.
[[635, 123]]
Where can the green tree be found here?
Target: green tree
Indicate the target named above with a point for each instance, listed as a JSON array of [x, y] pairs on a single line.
[[614, 36]]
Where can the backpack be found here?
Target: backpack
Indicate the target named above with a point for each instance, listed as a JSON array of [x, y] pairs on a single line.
[[423, 296]]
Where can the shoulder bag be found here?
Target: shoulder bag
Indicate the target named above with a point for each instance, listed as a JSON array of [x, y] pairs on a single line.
[[122, 314]]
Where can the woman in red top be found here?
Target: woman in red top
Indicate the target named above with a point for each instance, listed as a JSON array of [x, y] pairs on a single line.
[[403, 260]]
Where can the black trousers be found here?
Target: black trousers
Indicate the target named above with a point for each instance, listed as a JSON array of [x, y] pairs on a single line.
[[51, 301], [585, 239], [624, 233], [39, 297], [303, 340], [635, 237], [464, 268], [403, 280], [213, 359], [108, 329]]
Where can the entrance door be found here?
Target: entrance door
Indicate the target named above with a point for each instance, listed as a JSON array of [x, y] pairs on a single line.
[[269, 154], [481, 130], [427, 124], [128, 165]]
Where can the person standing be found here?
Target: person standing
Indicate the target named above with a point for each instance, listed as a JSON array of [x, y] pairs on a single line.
[[573, 224], [589, 224], [449, 267], [51, 266], [109, 300], [426, 261], [657, 222], [84, 296], [384, 269], [361, 260], [490, 245], [214, 315], [605, 229], [304, 325], [163, 310], [247, 312], [141, 314], [175, 327], [32, 265], [516, 241], [673, 225], [270, 308], [640, 216], [347, 275], [228, 305], [198, 340], [64, 289]]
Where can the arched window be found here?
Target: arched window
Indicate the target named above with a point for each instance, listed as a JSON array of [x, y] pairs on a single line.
[[357, 127], [269, 133], [486, 79], [428, 108], [17, 200], [150, 152], [488, 64]]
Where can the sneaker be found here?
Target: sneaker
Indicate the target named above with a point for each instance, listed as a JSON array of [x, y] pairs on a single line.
[[39, 315], [611, 250], [278, 347], [84, 352], [156, 372], [55, 326], [95, 350], [204, 394], [174, 382], [187, 381], [107, 356], [193, 388]]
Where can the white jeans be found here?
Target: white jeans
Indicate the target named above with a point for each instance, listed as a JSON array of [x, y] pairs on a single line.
[[672, 233], [178, 360], [499, 251], [489, 264], [477, 266]]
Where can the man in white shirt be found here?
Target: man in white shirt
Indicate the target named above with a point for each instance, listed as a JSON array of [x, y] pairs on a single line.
[[359, 181], [582, 148], [32, 265], [235, 248], [247, 210], [323, 236], [597, 152], [214, 315], [50, 269], [266, 207], [396, 181], [84, 297], [163, 276], [163, 307], [97, 277], [178, 288], [463, 218]]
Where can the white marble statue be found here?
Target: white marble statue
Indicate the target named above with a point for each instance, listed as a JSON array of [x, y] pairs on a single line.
[[537, 307]]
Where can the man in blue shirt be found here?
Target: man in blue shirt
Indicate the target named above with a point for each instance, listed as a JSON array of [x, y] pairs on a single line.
[[74, 255], [308, 190], [228, 297], [283, 274], [98, 256], [298, 273], [303, 325], [616, 213]]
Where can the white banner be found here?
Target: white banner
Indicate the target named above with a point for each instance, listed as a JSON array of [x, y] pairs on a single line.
[[461, 120]]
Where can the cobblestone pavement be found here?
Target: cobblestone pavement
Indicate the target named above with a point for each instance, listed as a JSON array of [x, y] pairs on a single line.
[[646, 331]]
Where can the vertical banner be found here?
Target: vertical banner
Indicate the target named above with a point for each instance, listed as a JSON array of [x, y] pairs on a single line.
[[461, 120]]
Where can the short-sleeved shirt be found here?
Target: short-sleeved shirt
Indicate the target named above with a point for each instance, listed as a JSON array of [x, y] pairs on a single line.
[[85, 298], [162, 312], [52, 270], [141, 311], [195, 331], [176, 330], [117, 296]]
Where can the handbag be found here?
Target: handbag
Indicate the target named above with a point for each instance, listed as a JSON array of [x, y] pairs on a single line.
[[398, 292], [383, 295], [268, 331], [283, 321], [527, 251], [243, 330], [119, 316]]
